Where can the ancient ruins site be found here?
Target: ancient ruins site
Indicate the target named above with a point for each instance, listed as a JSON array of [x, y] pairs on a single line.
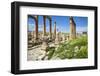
[[57, 37]]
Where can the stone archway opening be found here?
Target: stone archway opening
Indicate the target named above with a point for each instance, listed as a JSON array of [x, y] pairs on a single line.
[[35, 18], [44, 25]]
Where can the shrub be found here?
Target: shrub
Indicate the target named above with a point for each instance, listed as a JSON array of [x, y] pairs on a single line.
[[67, 49]]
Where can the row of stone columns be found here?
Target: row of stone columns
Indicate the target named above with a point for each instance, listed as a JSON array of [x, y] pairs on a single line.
[[44, 25], [72, 27]]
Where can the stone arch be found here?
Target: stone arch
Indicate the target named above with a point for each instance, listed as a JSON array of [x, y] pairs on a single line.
[[36, 25], [44, 27]]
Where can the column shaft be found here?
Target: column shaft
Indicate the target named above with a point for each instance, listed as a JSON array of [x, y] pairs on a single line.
[[36, 27], [55, 30], [72, 28], [44, 26], [50, 29]]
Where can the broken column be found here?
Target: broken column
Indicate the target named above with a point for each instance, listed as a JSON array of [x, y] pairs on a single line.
[[72, 28], [57, 38]]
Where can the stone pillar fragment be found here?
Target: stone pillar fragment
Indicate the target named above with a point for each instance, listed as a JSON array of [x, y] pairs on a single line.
[[72, 28]]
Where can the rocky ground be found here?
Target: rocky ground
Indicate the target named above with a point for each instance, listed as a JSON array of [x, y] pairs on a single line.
[[36, 53]]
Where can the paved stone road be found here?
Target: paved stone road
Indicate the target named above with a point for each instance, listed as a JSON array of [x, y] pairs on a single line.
[[36, 53]]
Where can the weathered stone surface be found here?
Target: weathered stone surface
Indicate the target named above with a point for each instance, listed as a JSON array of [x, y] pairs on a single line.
[[72, 28]]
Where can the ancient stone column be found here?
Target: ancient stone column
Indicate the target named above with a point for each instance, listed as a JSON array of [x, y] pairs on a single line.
[[36, 27], [72, 28], [57, 41], [44, 26], [54, 30], [50, 29]]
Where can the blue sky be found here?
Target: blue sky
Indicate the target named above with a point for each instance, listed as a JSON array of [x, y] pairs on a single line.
[[62, 23]]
